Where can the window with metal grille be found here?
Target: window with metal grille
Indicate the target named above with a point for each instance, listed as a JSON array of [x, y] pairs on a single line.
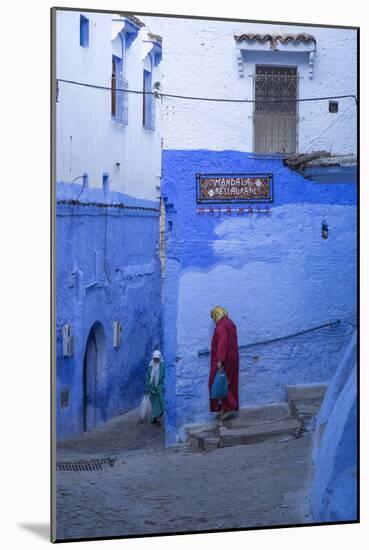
[[275, 109], [119, 95], [148, 111]]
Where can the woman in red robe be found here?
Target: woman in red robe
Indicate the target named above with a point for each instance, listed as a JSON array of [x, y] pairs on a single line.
[[224, 355]]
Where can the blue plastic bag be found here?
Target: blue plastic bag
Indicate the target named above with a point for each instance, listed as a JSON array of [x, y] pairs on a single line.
[[219, 389]]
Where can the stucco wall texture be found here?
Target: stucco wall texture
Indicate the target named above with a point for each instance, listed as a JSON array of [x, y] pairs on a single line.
[[201, 60], [275, 274], [334, 488], [116, 250]]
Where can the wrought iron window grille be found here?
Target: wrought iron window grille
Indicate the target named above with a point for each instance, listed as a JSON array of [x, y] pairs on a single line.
[[275, 109]]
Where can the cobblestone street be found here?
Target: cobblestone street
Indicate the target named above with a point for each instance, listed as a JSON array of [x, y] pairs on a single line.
[[151, 489]]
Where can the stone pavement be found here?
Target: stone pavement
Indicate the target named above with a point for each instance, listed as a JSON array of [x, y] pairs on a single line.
[[121, 434], [151, 489]]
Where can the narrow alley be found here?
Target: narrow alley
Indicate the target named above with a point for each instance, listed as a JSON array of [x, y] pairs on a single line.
[[151, 489]]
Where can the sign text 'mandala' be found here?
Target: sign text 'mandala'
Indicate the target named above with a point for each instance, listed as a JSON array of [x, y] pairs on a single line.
[[229, 181]]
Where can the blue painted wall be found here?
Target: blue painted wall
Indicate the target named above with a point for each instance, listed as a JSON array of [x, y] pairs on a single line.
[[107, 269], [334, 487], [275, 274]]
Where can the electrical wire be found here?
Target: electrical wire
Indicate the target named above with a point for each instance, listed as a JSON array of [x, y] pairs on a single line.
[[83, 186], [105, 246], [175, 96], [120, 205], [328, 127], [280, 338]]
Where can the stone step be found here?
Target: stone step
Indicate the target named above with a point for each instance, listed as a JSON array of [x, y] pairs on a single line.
[[306, 391], [204, 438], [272, 422], [282, 430], [252, 416], [305, 402]]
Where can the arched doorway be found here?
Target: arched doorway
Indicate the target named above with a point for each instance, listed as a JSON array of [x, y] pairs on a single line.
[[93, 363]]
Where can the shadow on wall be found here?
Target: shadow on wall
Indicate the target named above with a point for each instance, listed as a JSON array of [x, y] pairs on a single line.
[[334, 488]]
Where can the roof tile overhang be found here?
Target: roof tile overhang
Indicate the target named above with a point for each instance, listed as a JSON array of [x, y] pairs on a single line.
[[323, 167], [323, 159], [155, 37], [288, 43], [135, 20], [273, 39]]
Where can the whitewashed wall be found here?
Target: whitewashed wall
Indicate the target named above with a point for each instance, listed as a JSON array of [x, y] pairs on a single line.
[[201, 60], [97, 142]]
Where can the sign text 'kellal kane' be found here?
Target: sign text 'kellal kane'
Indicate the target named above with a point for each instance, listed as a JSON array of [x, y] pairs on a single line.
[[218, 188]]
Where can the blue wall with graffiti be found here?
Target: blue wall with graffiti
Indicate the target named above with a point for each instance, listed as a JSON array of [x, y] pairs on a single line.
[[275, 273], [107, 269]]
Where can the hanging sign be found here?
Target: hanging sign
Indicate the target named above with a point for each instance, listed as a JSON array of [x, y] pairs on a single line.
[[231, 188]]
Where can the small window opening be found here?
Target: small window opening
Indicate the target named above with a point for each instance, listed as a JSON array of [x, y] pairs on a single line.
[[113, 88], [84, 31], [119, 95], [105, 182], [148, 111]]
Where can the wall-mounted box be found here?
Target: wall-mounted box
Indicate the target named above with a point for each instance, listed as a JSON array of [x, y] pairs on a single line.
[[117, 332], [68, 341]]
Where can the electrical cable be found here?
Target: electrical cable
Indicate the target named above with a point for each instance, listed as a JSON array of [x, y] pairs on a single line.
[[119, 205], [328, 127], [83, 186], [105, 246], [175, 96], [280, 338]]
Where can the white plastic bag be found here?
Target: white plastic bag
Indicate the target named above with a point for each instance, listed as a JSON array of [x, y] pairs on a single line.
[[145, 407]]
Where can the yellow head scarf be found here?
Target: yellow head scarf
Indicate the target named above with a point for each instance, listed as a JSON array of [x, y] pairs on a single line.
[[218, 313]]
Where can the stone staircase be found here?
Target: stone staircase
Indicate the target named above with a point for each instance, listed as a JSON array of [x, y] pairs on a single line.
[[305, 402], [274, 422]]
